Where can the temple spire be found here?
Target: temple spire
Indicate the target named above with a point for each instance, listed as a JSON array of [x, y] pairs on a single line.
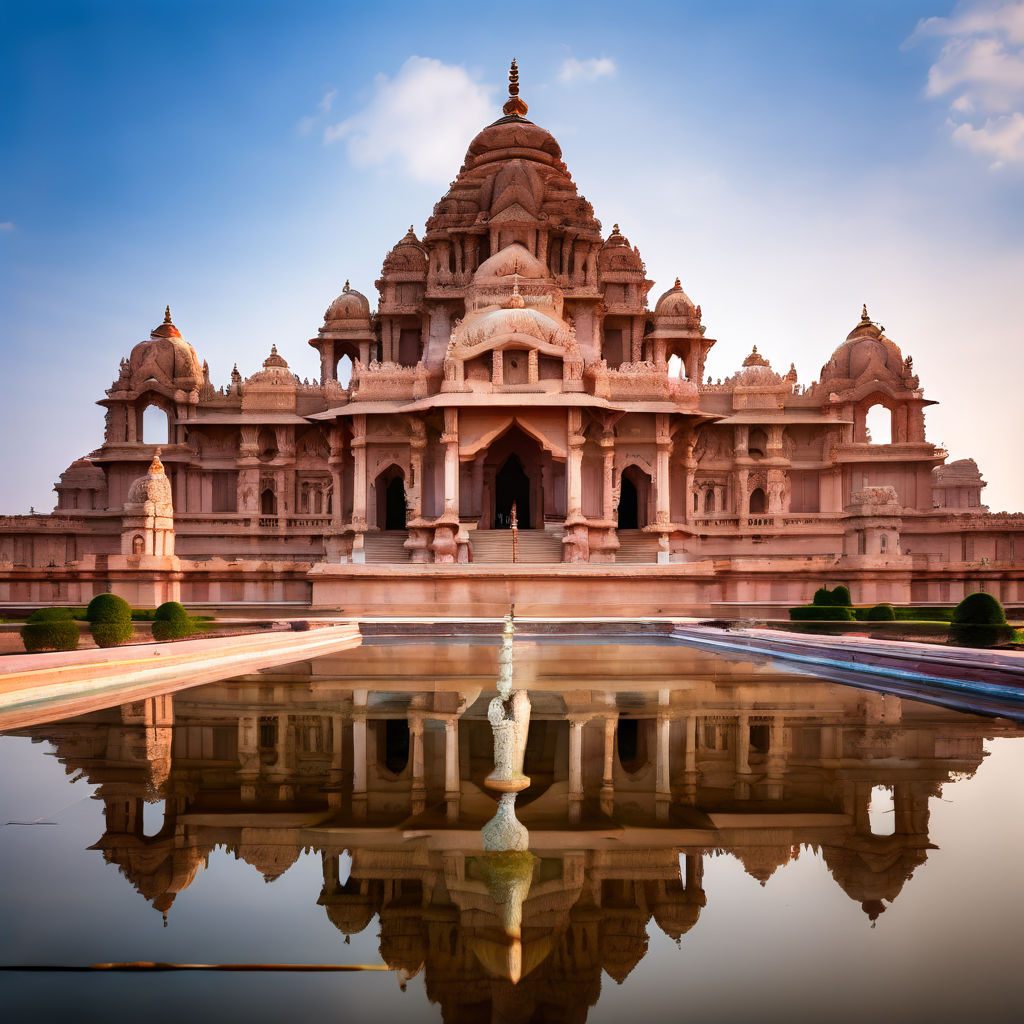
[[167, 314], [514, 106], [864, 318]]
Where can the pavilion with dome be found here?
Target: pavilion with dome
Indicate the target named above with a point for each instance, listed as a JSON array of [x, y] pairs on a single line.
[[513, 371]]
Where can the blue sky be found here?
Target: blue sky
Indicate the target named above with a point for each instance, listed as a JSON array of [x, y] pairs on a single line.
[[788, 161]]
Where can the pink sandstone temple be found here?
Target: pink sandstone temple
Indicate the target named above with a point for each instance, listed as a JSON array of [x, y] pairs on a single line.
[[513, 369]]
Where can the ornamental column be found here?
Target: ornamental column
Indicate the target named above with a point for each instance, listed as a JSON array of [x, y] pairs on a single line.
[[574, 474], [359, 753], [337, 748], [419, 788], [450, 439], [608, 775], [662, 785], [575, 767], [358, 487], [743, 745], [452, 783], [690, 761], [607, 443]]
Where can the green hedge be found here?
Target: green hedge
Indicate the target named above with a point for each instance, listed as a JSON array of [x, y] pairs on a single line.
[[172, 622], [881, 613], [812, 612], [108, 608], [111, 620], [839, 598], [979, 610], [55, 634], [51, 615]]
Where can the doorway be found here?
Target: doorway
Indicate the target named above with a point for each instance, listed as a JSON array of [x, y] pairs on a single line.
[[629, 506], [512, 486]]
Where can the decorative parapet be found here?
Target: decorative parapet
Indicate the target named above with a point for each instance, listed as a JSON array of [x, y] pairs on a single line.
[[387, 381], [640, 380], [875, 501]]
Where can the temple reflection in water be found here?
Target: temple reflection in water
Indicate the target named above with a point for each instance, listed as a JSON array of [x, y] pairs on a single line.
[[637, 775]]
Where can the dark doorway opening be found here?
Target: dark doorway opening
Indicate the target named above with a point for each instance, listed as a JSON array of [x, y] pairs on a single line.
[[629, 506], [512, 486], [268, 503], [396, 745], [394, 510], [757, 502]]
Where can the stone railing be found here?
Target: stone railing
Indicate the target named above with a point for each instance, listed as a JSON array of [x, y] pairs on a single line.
[[388, 382]]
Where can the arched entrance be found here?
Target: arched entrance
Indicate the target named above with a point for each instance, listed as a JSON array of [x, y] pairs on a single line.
[[391, 508], [629, 508], [758, 502], [512, 472], [512, 487], [634, 498]]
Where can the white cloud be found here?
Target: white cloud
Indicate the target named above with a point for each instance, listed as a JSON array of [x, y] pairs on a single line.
[[573, 70], [1001, 138], [306, 124], [327, 101], [982, 60], [420, 121], [7, 225]]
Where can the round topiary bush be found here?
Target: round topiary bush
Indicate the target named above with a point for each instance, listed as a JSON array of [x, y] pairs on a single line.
[[841, 597], [171, 622], [51, 615], [822, 597], [108, 608], [980, 610], [111, 620], [882, 613], [50, 634]]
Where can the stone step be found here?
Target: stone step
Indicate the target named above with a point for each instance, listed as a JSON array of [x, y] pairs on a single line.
[[495, 546], [385, 546], [636, 548]]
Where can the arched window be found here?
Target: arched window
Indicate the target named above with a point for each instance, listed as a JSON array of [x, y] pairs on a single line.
[[343, 371], [155, 427], [758, 502], [138, 545], [878, 425], [267, 444], [268, 502], [757, 443], [709, 501], [882, 812]]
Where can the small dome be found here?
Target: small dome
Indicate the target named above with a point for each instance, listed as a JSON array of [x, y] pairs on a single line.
[[675, 303], [349, 305], [153, 487], [407, 256], [275, 370], [756, 359], [866, 352], [165, 358], [513, 259]]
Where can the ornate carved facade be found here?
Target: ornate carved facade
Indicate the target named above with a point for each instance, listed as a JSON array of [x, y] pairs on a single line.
[[513, 362]]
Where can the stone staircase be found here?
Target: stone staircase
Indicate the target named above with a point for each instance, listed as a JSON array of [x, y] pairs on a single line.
[[495, 546], [385, 546], [636, 548]]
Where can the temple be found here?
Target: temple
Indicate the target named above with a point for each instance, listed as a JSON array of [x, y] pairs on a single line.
[[514, 369]]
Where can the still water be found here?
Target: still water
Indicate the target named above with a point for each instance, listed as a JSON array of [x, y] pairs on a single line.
[[710, 840]]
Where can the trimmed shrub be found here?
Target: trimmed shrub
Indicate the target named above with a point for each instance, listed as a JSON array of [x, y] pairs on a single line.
[[53, 634], [111, 620], [841, 596], [108, 608], [822, 597], [171, 622], [51, 615], [979, 610], [111, 634], [812, 612], [881, 613]]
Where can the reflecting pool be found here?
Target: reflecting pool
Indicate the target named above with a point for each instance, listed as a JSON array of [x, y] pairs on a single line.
[[707, 839]]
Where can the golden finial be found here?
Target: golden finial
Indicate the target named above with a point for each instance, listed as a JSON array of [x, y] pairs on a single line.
[[677, 284], [514, 105], [167, 315], [345, 289], [156, 467], [615, 229], [864, 318]]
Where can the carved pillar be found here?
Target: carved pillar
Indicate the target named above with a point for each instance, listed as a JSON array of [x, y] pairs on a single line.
[[574, 469], [417, 445], [478, 502], [248, 756], [419, 789], [450, 440], [359, 752], [532, 370], [663, 785], [575, 767], [607, 443], [452, 783], [608, 774], [661, 484], [497, 368], [743, 745], [358, 486]]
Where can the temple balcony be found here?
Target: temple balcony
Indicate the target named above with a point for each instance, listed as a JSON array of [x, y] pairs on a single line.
[[387, 382]]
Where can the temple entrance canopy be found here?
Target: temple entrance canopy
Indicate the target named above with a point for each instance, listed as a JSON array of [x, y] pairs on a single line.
[[514, 467]]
